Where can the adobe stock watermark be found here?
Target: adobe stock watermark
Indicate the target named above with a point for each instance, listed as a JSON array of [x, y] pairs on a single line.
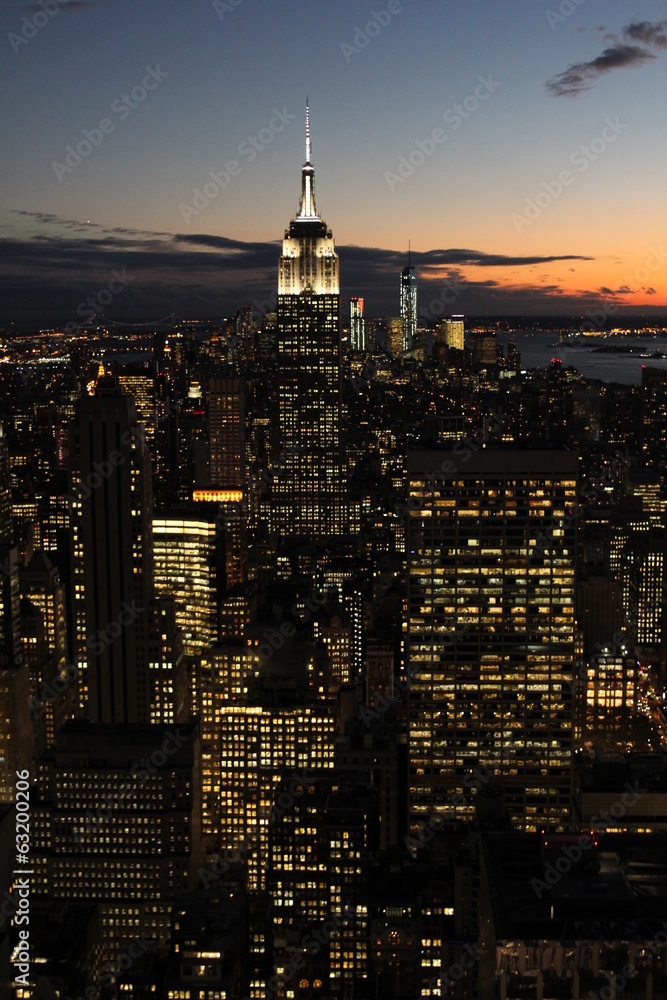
[[565, 9], [452, 289], [581, 158], [571, 854], [617, 981], [454, 116], [90, 307], [378, 21], [248, 150], [122, 107], [462, 452], [470, 956], [31, 26]]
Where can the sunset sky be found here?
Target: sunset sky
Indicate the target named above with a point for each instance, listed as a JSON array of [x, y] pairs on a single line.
[[543, 189]]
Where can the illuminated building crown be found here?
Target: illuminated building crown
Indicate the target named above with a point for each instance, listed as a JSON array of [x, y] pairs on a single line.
[[309, 260]]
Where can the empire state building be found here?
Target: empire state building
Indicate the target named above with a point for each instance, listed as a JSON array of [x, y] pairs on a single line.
[[309, 494]]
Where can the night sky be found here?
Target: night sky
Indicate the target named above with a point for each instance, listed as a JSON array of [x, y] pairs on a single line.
[[542, 192]]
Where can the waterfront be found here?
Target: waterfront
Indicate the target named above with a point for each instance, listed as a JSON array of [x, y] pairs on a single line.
[[537, 351]]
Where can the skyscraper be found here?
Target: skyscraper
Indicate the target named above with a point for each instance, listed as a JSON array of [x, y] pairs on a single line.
[[188, 566], [309, 490], [117, 820], [113, 554], [654, 419], [452, 332], [226, 416], [491, 632], [357, 324], [409, 306], [258, 746], [15, 730]]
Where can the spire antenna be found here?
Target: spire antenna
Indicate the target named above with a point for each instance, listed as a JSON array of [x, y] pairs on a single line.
[[409, 254], [307, 132]]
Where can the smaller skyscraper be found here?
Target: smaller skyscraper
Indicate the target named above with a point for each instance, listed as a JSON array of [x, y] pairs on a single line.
[[357, 324], [491, 631], [188, 566], [259, 745], [409, 306], [452, 332], [15, 728], [654, 419], [395, 336], [226, 416], [112, 549], [117, 823]]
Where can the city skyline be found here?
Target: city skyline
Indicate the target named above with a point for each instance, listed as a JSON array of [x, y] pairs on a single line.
[[333, 627], [524, 172]]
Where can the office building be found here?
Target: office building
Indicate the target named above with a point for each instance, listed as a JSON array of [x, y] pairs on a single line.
[[581, 934], [395, 335], [491, 632], [316, 877], [646, 563], [452, 332], [188, 568], [260, 745], [41, 584], [169, 688], [16, 741], [654, 419], [226, 439], [111, 508], [139, 381], [223, 675], [357, 325], [116, 821]]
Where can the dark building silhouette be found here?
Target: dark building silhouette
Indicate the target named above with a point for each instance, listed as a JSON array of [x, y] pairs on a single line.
[[112, 554]]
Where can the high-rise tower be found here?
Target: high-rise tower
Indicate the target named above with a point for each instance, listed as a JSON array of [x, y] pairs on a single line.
[[357, 324], [491, 632], [309, 490], [113, 554], [409, 305], [226, 420]]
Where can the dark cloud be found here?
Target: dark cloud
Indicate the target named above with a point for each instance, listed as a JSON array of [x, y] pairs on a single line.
[[581, 76], [647, 33], [623, 290], [58, 263], [31, 8], [630, 47]]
